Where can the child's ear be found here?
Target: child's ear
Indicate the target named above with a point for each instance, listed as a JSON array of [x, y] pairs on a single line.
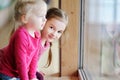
[[23, 19]]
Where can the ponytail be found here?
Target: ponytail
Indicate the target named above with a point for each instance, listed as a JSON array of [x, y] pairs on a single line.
[[13, 30], [14, 25], [59, 15], [49, 60]]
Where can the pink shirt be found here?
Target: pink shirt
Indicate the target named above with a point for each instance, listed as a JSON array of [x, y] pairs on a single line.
[[21, 55]]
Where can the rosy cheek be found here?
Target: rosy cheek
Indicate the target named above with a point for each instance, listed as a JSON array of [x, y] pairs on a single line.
[[58, 36], [50, 30]]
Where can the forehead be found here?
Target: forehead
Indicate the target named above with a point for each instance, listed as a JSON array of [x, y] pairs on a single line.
[[40, 10], [57, 24]]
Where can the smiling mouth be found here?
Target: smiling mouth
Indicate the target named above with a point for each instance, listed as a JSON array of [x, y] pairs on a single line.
[[50, 37]]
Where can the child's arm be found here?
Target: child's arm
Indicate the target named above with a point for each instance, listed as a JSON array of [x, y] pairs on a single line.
[[33, 67], [21, 44]]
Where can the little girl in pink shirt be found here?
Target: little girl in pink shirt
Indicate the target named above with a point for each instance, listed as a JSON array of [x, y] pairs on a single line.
[[20, 57]]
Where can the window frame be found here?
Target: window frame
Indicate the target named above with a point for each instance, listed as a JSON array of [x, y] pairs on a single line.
[[82, 73]]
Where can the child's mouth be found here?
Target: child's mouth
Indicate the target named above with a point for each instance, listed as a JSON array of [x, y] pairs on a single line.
[[50, 37]]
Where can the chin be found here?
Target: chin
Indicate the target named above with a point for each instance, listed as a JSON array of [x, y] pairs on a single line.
[[50, 40]]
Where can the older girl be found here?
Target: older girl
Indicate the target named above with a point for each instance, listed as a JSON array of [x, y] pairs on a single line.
[[56, 23]]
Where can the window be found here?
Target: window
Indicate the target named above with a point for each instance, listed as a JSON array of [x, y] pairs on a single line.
[[100, 39]]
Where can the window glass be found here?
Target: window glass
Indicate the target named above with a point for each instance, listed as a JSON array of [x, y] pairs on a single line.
[[118, 13], [102, 39]]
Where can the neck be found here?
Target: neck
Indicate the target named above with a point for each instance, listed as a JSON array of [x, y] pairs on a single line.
[[43, 40], [30, 30]]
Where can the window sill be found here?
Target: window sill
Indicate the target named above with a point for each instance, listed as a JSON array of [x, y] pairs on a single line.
[[82, 75]]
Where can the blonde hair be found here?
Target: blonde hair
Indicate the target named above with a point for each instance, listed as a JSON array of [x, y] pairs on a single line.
[[25, 8], [59, 15]]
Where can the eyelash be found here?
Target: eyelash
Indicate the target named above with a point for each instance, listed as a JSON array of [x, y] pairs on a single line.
[[53, 29], [59, 31]]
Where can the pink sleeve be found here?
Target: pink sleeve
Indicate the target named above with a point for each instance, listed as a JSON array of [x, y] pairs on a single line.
[[33, 67], [20, 45]]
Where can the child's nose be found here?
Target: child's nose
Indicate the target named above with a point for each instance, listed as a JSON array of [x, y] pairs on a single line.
[[54, 33]]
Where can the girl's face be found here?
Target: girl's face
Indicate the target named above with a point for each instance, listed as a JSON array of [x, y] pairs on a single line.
[[37, 19], [53, 29]]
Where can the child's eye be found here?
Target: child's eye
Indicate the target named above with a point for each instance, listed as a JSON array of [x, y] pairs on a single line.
[[51, 27], [60, 32]]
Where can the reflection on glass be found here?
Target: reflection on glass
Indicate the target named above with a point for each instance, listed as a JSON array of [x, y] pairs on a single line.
[[110, 62], [102, 39]]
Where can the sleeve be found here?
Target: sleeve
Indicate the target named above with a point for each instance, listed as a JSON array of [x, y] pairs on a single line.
[[21, 43], [33, 66]]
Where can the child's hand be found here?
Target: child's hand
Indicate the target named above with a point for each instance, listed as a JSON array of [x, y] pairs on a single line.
[[34, 79], [40, 76], [42, 73]]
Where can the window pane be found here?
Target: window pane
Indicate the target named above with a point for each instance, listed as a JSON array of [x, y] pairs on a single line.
[[102, 40], [118, 1], [118, 13], [100, 12], [104, 2], [93, 2], [92, 12], [106, 14]]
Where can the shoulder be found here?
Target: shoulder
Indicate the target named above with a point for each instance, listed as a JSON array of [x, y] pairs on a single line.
[[21, 32], [20, 35]]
